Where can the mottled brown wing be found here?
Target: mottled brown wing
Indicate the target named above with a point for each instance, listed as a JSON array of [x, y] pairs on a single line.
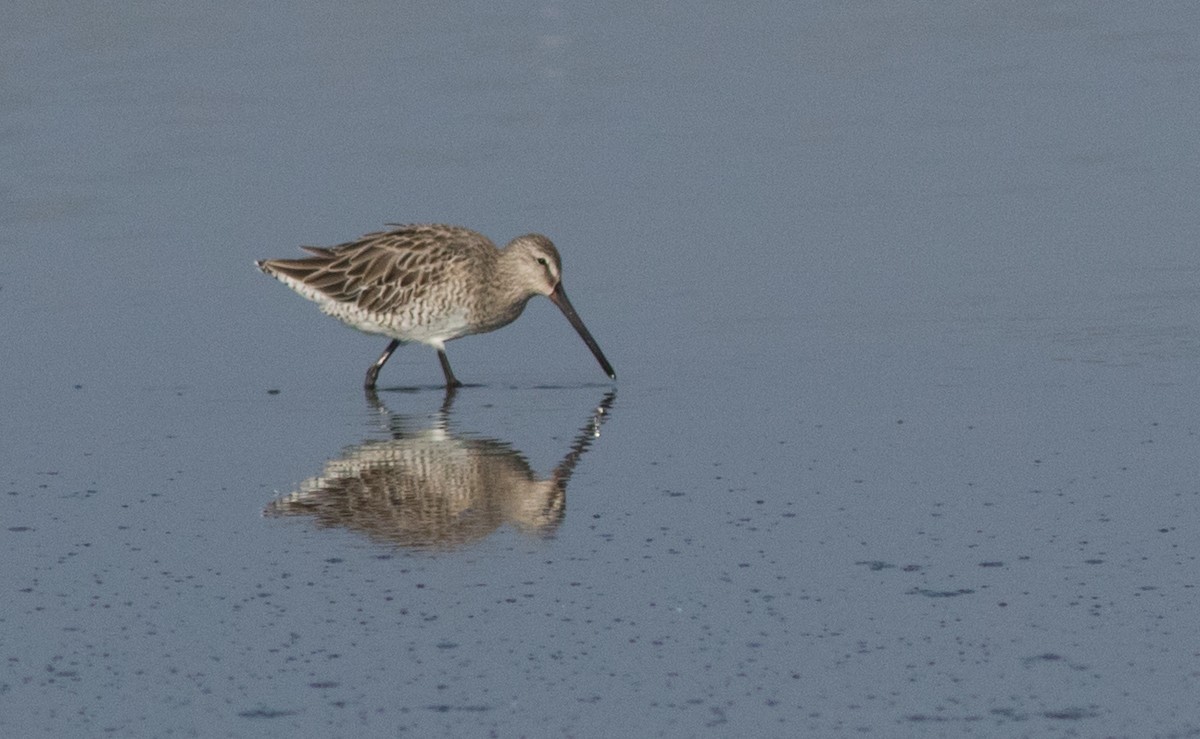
[[382, 272]]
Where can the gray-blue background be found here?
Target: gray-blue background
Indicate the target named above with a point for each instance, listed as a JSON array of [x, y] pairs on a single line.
[[902, 298]]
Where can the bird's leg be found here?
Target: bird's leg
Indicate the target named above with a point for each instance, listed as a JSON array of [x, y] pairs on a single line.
[[448, 401], [373, 372], [451, 380]]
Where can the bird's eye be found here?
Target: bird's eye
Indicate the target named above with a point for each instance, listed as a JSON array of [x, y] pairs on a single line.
[[542, 261]]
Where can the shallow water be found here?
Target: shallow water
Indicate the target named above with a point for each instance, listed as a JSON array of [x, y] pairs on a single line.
[[902, 301]]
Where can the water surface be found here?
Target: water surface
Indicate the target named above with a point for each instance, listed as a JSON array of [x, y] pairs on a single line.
[[903, 303]]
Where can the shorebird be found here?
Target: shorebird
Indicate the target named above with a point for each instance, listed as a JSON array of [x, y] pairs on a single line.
[[430, 284]]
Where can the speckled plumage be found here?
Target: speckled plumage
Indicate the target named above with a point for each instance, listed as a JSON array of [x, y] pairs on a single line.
[[429, 284]]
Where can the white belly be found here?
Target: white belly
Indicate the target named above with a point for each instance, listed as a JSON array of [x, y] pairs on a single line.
[[407, 325]]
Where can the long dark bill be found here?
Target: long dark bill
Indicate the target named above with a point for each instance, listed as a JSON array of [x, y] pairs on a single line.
[[559, 298]]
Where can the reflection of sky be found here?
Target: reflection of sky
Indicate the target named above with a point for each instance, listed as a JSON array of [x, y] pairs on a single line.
[[886, 283]]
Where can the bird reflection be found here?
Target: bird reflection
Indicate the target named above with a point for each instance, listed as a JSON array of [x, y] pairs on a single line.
[[432, 488]]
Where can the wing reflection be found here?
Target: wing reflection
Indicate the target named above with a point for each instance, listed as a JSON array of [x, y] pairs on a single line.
[[431, 488]]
